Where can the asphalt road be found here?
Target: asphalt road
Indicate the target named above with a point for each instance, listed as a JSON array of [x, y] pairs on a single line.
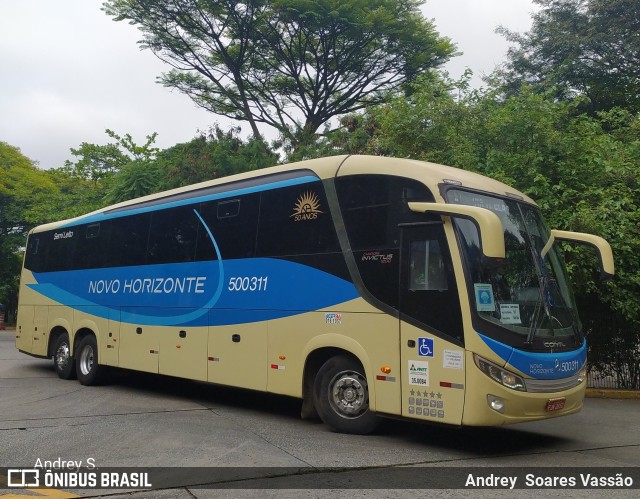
[[140, 420]]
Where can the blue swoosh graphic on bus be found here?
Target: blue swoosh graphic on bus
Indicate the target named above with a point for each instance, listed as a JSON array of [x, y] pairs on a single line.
[[189, 294], [102, 216], [540, 365], [220, 265]]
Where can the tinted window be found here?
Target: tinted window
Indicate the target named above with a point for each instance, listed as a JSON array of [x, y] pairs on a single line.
[[428, 294], [373, 207], [233, 224], [364, 200], [426, 267], [35, 256], [296, 221], [92, 241], [173, 236], [128, 241], [61, 246]]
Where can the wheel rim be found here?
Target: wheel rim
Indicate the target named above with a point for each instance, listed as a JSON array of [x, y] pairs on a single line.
[[62, 356], [348, 394], [86, 360]]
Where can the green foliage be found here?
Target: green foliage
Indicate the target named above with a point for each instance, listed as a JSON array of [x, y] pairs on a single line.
[[100, 162], [212, 155], [135, 179], [23, 191], [75, 196], [575, 48], [289, 64], [108, 173], [96, 162]]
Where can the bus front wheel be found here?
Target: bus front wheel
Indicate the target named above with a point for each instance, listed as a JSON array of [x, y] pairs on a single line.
[[88, 370], [62, 360], [341, 396]]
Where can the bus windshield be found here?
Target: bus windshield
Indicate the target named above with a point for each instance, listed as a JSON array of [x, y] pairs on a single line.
[[525, 298]]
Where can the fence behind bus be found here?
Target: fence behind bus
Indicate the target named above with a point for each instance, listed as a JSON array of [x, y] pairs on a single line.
[[614, 377]]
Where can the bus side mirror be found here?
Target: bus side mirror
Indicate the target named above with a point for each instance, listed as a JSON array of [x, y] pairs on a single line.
[[488, 223], [607, 269]]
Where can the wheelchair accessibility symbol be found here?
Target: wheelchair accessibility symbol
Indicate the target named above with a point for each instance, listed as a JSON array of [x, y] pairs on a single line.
[[425, 347]]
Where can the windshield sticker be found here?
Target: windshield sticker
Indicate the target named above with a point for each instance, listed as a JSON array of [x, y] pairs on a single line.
[[485, 301], [452, 359], [510, 313], [418, 373]]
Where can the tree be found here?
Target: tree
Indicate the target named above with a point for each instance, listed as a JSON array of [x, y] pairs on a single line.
[[98, 162], [289, 64], [109, 173], [23, 191], [438, 119], [211, 155], [580, 47], [135, 179]]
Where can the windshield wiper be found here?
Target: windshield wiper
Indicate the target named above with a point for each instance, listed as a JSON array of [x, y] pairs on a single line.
[[545, 297]]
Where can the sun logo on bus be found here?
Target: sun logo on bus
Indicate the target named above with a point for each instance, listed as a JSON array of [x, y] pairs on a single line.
[[307, 207]]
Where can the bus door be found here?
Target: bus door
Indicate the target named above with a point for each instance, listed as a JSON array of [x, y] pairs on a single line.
[[431, 335]]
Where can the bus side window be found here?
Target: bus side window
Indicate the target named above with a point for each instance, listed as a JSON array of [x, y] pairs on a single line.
[[426, 267], [128, 241], [233, 224], [296, 221], [35, 255], [62, 244], [428, 292], [90, 246], [173, 235], [373, 208]]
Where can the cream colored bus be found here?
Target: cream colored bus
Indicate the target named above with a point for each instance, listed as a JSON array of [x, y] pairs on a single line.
[[365, 286]]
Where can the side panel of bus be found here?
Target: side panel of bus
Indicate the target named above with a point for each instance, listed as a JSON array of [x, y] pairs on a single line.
[[139, 346], [183, 352], [237, 354], [24, 335], [40, 331]]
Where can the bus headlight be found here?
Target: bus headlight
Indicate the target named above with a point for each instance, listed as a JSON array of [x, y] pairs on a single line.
[[505, 378]]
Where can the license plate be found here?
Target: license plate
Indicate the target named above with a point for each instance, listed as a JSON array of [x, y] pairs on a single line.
[[555, 404]]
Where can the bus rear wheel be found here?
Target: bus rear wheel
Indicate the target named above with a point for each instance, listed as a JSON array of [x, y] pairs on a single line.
[[87, 368], [341, 396], [62, 360]]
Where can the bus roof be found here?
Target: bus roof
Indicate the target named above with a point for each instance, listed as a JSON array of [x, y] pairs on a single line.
[[431, 174]]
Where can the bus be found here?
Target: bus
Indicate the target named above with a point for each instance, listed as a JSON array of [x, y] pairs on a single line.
[[365, 286]]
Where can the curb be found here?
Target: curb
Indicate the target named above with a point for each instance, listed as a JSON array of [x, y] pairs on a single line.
[[612, 394]]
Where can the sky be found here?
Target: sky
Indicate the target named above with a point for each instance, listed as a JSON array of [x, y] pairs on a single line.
[[68, 72]]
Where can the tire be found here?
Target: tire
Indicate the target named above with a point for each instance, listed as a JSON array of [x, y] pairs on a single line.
[[87, 368], [341, 396], [62, 360]]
